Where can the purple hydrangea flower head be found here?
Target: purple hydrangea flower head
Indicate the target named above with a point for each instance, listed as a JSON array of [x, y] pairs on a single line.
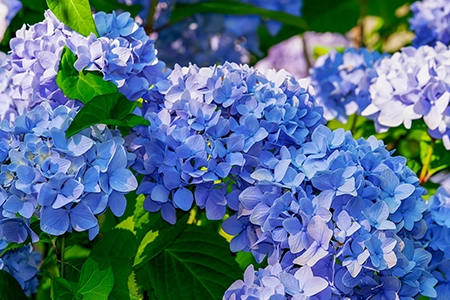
[[212, 125], [342, 81], [290, 54], [8, 10], [22, 263], [430, 22], [63, 181]]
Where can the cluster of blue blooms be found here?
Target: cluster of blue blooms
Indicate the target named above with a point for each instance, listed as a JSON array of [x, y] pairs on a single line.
[[64, 182], [430, 22], [123, 53], [5, 90], [22, 264], [342, 80], [354, 217], [209, 131], [207, 39]]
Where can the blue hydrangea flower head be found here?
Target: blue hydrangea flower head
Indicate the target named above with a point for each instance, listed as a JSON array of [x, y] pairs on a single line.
[[430, 22], [342, 81], [63, 181], [348, 217], [22, 263], [212, 125]]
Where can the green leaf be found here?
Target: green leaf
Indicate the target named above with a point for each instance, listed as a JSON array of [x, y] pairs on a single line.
[[36, 5], [440, 158], [158, 234], [119, 247], [109, 109], [116, 243], [96, 280], [108, 6], [197, 265], [83, 85], [61, 289], [125, 287], [10, 288], [76, 14], [182, 11], [331, 15]]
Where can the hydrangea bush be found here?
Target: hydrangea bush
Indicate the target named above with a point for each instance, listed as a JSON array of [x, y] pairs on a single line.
[[121, 178]]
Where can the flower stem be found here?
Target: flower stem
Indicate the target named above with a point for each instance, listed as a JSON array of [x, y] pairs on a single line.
[[354, 121], [424, 173], [61, 251]]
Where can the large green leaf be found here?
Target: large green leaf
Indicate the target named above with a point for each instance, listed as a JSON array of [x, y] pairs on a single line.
[[96, 280], [197, 265], [119, 247], [10, 288], [331, 15], [108, 6], [76, 14], [182, 11], [155, 235], [62, 290], [109, 109], [83, 85]]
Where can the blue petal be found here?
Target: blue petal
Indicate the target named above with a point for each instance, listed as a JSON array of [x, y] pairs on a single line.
[[123, 180], [54, 221], [183, 199]]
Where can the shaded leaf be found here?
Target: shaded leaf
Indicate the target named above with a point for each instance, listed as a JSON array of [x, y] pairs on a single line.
[[10, 288], [158, 234], [96, 280], [197, 265], [182, 11]]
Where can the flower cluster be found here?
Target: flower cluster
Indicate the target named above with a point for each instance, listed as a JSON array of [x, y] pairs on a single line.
[[410, 85], [212, 127], [8, 9], [352, 203], [123, 53], [63, 181], [5, 90], [22, 264], [430, 22], [207, 39], [342, 81], [293, 56], [275, 284]]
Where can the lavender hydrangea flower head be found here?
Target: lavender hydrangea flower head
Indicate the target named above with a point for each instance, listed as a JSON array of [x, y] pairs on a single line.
[[290, 54], [22, 263], [5, 91], [63, 181], [410, 85], [209, 131], [273, 282], [430, 22], [123, 53], [342, 82], [349, 216], [8, 10]]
